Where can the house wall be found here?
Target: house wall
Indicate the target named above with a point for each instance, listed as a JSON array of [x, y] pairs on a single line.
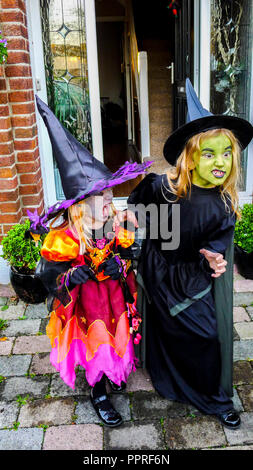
[[20, 170]]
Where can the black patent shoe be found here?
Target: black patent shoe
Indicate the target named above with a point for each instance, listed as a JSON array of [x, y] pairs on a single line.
[[105, 411], [117, 388], [230, 419]]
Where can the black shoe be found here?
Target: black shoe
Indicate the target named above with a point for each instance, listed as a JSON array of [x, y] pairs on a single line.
[[117, 388], [230, 419], [105, 411]]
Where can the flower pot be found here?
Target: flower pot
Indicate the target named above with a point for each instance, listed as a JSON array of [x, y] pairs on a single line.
[[27, 287], [244, 262]]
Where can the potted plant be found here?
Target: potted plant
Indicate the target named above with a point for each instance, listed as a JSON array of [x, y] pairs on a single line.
[[22, 253], [243, 242]]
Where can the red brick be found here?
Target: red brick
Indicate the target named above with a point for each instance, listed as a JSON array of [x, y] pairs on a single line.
[[8, 207], [4, 110], [8, 196], [8, 172], [25, 144], [5, 123], [40, 209], [2, 84], [6, 149], [32, 200], [17, 57], [24, 108], [5, 136], [21, 83], [30, 188], [23, 121], [9, 183], [3, 97], [12, 29], [15, 16], [27, 156], [11, 4], [17, 43], [25, 132], [29, 178], [6, 228], [28, 167], [2, 70], [21, 96], [10, 218], [18, 70]]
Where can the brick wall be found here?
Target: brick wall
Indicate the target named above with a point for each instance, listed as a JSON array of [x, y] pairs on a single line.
[[20, 171]]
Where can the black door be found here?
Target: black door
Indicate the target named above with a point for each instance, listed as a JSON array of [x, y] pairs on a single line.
[[183, 66]]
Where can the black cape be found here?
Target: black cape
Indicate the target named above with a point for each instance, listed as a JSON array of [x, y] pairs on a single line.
[[188, 315]]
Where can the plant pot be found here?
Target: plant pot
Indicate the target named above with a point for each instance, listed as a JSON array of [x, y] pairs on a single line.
[[27, 287], [244, 262]]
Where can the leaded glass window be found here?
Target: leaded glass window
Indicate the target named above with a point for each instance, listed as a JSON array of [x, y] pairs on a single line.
[[64, 42], [231, 60]]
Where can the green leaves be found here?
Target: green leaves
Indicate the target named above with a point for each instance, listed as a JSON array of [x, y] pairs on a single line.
[[244, 229], [20, 249]]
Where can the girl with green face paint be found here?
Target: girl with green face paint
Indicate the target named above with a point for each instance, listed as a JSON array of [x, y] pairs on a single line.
[[213, 161]]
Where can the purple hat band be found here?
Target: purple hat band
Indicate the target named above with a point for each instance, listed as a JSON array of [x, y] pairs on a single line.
[[127, 172]]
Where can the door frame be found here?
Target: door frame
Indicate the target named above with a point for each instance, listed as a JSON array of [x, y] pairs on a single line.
[[202, 36], [39, 86]]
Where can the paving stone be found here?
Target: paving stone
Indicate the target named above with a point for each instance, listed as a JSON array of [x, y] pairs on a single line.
[[235, 448], [134, 436], [41, 364], [75, 437], [37, 311], [243, 350], [86, 413], [22, 327], [50, 412], [8, 413], [32, 344], [43, 326], [237, 402], [246, 395], [139, 380], [155, 407], [14, 365], [244, 330], [35, 388], [13, 312], [236, 337], [7, 291], [243, 285], [243, 435], [242, 373], [6, 346], [59, 388], [242, 298], [250, 312], [22, 439], [240, 314], [193, 433]]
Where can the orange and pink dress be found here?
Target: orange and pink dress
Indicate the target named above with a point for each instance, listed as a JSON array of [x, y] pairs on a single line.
[[93, 328]]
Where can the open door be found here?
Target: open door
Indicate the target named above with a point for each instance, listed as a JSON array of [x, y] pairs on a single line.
[[183, 66]]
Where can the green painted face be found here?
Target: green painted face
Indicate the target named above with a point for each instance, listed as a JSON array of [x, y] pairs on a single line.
[[213, 161]]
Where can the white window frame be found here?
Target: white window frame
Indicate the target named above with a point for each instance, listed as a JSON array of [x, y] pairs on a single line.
[[202, 23], [39, 85]]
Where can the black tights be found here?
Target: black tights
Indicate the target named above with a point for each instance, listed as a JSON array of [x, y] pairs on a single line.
[[99, 387]]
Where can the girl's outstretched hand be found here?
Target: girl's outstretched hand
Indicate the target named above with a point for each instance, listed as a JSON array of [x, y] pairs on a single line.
[[122, 216], [216, 262]]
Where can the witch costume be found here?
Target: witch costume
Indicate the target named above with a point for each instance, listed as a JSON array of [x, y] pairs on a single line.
[[188, 348], [91, 296]]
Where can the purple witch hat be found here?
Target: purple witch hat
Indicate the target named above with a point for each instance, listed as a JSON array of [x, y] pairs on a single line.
[[82, 175]]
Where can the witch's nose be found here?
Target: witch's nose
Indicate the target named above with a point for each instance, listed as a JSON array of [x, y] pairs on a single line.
[[219, 160]]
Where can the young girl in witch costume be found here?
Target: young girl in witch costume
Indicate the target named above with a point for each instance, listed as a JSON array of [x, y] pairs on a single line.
[[189, 309], [91, 286]]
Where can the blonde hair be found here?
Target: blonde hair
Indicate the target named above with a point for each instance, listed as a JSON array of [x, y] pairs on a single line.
[[180, 176], [77, 223]]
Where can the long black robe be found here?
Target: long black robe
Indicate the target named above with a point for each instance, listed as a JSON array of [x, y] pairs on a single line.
[[188, 355]]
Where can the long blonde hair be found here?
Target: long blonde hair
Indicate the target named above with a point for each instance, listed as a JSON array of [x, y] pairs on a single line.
[[180, 176], [77, 223]]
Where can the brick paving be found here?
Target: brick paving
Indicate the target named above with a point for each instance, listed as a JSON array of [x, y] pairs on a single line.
[[39, 412]]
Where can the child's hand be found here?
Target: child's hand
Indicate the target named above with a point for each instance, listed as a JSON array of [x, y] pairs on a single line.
[[216, 262], [122, 216]]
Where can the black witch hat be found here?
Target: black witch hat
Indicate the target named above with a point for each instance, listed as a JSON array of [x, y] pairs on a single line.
[[82, 175], [199, 120]]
